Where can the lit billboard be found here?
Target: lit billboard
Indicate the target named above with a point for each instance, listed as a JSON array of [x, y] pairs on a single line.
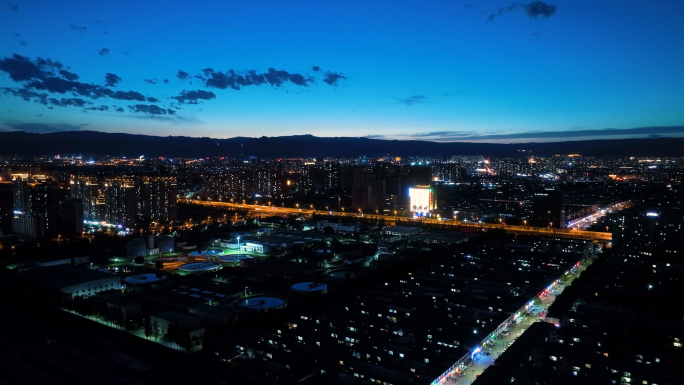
[[422, 199]]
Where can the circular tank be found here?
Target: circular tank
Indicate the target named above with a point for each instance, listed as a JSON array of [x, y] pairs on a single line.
[[142, 278], [265, 303], [310, 287], [342, 274], [234, 257], [200, 266]]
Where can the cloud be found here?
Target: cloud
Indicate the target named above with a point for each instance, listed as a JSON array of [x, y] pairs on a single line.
[[78, 28], [23, 42], [416, 99], [126, 53], [20, 68], [236, 80], [111, 79], [152, 99], [103, 52], [127, 95], [27, 95], [166, 81], [182, 75], [316, 68], [151, 109], [48, 75], [150, 81], [100, 108], [68, 75], [99, 22], [65, 102], [192, 97], [331, 78], [42, 128], [533, 10], [118, 109], [446, 136], [105, 33], [539, 8], [468, 6], [13, 7]]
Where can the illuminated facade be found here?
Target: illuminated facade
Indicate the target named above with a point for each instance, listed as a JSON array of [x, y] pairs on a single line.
[[422, 199]]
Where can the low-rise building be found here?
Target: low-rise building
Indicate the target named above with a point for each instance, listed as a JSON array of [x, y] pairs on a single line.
[[186, 322], [401, 231], [74, 280], [339, 227]]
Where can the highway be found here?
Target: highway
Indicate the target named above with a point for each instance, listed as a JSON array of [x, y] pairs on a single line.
[[391, 220]]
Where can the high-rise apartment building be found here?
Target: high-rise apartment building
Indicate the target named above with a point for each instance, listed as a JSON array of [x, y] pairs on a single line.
[[6, 207], [156, 198], [640, 232], [120, 202], [548, 209], [38, 194], [28, 226]]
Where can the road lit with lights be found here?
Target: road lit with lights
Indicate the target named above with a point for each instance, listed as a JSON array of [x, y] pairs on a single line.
[[391, 220]]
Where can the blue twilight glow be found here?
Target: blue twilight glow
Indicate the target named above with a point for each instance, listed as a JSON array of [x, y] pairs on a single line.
[[491, 70]]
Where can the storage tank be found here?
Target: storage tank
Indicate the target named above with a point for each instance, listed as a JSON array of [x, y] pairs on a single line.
[[150, 241], [165, 243], [136, 248]]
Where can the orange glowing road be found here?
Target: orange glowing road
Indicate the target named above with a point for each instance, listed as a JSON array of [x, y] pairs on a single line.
[[390, 220]]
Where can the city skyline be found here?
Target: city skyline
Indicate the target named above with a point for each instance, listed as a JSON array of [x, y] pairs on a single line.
[[487, 71]]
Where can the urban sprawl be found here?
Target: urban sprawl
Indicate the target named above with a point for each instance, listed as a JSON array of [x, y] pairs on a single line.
[[386, 270]]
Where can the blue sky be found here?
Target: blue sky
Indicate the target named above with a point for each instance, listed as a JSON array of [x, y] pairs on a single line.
[[436, 70]]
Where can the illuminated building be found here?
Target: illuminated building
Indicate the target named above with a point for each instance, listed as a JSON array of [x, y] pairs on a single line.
[[28, 226], [119, 197], [87, 189], [156, 198], [422, 200], [644, 233], [38, 194]]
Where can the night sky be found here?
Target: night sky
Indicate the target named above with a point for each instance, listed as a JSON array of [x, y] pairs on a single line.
[[437, 70]]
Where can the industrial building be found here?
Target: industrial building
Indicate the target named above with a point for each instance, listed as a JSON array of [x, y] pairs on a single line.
[[73, 280]]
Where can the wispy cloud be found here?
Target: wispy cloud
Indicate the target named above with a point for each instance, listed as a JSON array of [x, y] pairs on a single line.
[[39, 128], [533, 10], [538, 136], [78, 28], [415, 99]]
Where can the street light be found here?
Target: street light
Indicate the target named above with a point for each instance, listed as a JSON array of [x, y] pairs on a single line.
[[246, 290]]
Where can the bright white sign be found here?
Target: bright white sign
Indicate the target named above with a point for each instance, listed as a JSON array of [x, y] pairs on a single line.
[[421, 199]]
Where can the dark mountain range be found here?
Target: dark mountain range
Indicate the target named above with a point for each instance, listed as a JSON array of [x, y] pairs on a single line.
[[98, 143]]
